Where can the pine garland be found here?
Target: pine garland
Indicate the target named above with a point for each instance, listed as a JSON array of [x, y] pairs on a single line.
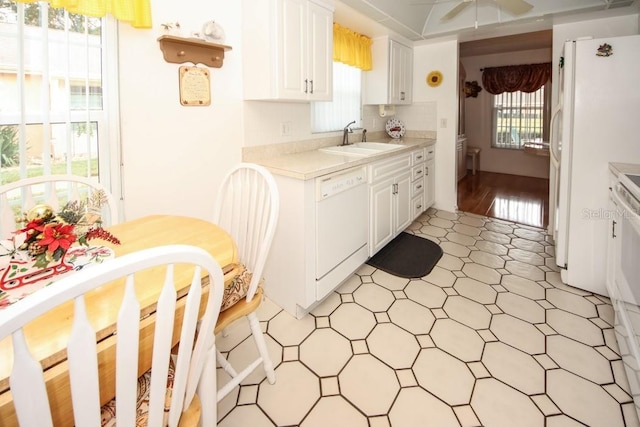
[[102, 234]]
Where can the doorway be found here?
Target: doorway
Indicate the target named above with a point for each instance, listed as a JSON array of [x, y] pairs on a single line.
[[512, 182]]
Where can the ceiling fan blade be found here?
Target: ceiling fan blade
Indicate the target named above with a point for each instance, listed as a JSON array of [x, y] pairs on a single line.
[[456, 10], [515, 7], [431, 3]]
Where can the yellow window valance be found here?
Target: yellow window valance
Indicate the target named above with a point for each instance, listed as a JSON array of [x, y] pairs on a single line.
[[135, 12], [351, 48]]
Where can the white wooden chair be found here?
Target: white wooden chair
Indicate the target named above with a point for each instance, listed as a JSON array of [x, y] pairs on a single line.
[[195, 352], [247, 208], [53, 190]]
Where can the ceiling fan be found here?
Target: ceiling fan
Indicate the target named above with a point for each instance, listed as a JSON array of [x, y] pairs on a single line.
[[514, 7]]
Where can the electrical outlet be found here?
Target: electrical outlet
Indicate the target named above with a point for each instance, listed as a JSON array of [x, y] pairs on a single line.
[[443, 123], [285, 128]]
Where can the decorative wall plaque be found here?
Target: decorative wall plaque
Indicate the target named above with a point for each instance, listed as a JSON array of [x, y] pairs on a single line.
[[434, 78], [195, 86]]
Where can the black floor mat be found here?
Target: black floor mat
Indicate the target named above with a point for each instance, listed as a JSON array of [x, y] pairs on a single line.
[[407, 256]]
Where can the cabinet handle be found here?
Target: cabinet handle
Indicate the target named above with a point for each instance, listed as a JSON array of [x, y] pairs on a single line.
[[306, 85], [419, 157], [394, 189], [311, 91], [419, 207], [419, 187], [419, 172], [427, 170], [613, 230], [401, 96]]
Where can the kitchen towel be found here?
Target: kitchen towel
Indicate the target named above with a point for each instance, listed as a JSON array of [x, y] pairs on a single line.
[[407, 256]]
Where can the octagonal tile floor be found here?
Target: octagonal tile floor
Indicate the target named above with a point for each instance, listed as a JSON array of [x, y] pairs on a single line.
[[490, 338]]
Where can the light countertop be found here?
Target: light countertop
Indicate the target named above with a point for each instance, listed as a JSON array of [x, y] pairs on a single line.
[[313, 163], [618, 168]]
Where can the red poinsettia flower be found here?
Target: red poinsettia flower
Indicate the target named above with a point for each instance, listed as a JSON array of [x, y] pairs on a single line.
[[57, 236], [34, 225]]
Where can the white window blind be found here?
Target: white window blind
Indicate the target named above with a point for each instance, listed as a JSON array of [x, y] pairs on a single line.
[[518, 118], [53, 93], [346, 105]]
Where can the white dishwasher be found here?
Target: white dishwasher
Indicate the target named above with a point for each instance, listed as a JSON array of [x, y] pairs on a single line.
[[342, 224]]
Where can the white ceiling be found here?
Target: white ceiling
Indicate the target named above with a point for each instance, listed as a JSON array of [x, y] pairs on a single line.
[[421, 19]]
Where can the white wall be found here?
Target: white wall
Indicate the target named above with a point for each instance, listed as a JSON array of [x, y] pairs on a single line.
[[478, 112], [441, 55], [175, 156]]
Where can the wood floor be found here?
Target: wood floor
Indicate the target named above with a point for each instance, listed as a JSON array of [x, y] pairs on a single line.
[[520, 199]]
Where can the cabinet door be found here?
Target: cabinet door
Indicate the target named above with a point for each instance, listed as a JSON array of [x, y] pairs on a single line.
[[406, 80], [403, 204], [400, 73], [320, 54], [382, 229], [430, 184], [292, 58]]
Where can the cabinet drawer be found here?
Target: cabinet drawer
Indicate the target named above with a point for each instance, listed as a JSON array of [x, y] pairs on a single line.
[[418, 156], [417, 188], [417, 172], [384, 168], [418, 206], [430, 152]]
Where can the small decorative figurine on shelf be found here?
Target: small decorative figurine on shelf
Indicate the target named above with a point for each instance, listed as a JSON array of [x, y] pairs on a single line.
[[171, 28], [212, 32]]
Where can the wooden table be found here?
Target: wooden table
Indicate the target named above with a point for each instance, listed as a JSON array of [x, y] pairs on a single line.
[[47, 336]]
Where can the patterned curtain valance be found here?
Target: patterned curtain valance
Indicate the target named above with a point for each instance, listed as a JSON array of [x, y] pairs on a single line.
[[135, 12], [351, 48], [525, 78]]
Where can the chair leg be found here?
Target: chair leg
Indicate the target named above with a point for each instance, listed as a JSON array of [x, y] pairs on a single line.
[[258, 337], [222, 361]]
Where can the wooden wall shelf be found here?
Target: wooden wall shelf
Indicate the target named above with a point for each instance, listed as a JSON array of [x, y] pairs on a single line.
[[179, 50]]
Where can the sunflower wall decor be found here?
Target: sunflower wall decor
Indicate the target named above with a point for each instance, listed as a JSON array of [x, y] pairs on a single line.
[[434, 78]]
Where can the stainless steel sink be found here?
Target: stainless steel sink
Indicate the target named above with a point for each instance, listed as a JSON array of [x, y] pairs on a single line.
[[362, 149]]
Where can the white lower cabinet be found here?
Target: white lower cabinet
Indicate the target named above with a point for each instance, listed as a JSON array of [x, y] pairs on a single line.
[[390, 191], [430, 178], [330, 225], [418, 183]]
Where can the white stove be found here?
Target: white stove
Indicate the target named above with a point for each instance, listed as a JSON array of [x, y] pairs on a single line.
[[623, 275], [632, 183], [629, 190]]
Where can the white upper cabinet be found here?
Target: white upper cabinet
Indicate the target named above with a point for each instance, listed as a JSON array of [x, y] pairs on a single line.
[[288, 50], [391, 79]]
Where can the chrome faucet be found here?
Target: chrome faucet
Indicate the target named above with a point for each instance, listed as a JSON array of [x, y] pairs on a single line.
[[345, 133]]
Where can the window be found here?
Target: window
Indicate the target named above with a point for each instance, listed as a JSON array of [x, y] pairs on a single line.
[[347, 101], [53, 86], [519, 117]]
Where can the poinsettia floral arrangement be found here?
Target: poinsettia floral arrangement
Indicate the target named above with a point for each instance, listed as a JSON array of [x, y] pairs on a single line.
[[47, 235]]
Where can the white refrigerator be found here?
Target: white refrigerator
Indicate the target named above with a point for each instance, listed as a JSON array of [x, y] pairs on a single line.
[[596, 121]]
